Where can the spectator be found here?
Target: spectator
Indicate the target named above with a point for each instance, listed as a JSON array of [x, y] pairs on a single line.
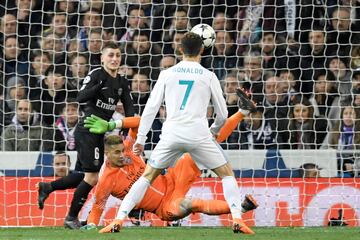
[[15, 91], [356, 80], [25, 133], [15, 60], [342, 33], [273, 54], [257, 132], [309, 170], [325, 99], [108, 11], [167, 62], [65, 126], [175, 45], [61, 164], [71, 10], [253, 79], [53, 95], [161, 19], [277, 104], [222, 22], [179, 22], [39, 63], [58, 26], [140, 91], [231, 83], [345, 137], [306, 131], [126, 71], [95, 42], [259, 16], [54, 46], [338, 66], [119, 114], [314, 56], [8, 27], [29, 20], [142, 54], [355, 57], [356, 98], [291, 82], [223, 57], [79, 67], [136, 21], [90, 20]]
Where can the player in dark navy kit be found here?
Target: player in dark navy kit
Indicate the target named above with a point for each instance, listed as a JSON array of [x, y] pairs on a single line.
[[99, 94]]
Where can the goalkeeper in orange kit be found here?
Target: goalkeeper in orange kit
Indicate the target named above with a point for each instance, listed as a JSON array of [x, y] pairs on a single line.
[[166, 196]]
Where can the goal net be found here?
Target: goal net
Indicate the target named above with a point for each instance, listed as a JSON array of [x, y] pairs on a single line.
[[299, 61]]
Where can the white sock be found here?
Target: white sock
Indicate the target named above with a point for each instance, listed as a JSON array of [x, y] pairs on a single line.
[[232, 195], [134, 196]]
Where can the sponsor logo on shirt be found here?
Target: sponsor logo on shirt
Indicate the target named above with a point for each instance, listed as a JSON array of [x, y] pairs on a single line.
[[106, 106]]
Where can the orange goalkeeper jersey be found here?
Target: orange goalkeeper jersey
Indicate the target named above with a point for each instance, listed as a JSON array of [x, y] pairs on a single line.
[[118, 181]]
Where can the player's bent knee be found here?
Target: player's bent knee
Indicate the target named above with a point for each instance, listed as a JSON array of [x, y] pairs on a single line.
[[177, 209], [91, 178], [185, 206], [224, 171], [151, 173]]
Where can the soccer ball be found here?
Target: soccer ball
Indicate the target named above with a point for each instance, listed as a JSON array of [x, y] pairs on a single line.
[[206, 33]]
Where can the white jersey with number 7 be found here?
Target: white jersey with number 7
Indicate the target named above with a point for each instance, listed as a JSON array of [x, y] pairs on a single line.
[[187, 89]]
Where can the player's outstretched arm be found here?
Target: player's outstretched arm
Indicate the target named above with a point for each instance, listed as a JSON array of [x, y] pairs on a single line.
[[98, 125]]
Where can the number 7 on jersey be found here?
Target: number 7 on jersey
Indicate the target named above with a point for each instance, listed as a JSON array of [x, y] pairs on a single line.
[[189, 84]]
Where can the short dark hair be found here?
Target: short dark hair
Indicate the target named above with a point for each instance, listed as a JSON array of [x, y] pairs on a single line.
[[264, 33], [11, 36], [37, 53], [191, 44], [141, 32], [96, 30], [62, 153], [112, 45], [111, 140], [306, 167], [323, 72], [355, 73], [84, 55], [134, 7], [181, 9], [56, 69]]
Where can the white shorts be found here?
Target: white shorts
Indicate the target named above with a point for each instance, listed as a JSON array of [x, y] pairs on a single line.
[[206, 155]]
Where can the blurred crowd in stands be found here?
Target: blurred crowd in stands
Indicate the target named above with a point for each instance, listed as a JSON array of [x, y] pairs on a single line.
[[300, 60]]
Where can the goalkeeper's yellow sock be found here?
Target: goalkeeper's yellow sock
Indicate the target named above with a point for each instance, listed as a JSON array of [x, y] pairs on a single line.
[[229, 126], [210, 207]]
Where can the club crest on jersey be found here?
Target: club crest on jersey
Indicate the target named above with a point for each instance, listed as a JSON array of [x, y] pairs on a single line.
[[120, 90]]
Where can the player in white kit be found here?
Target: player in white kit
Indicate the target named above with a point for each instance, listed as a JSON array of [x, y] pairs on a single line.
[[187, 89]]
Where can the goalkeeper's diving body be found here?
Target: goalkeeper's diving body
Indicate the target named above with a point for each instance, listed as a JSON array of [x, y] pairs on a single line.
[[166, 196]]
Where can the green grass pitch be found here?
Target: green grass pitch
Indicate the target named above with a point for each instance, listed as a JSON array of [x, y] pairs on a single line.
[[186, 233]]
